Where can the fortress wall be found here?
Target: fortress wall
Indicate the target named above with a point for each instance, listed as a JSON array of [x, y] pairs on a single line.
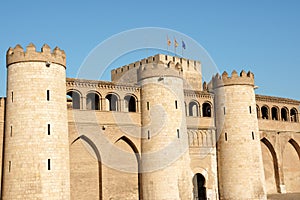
[[118, 164]]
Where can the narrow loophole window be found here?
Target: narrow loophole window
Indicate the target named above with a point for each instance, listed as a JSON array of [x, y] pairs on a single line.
[[252, 135], [11, 131], [225, 136], [178, 134], [9, 166], [149, 136], [176, 106], [250, 109], [12, 96], [49, 129], [49, 164], [224, 110], [48, 95], [148, 105]]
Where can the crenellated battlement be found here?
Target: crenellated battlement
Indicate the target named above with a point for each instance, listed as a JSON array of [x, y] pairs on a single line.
[[224, 80], [17, 54], [171, 62]]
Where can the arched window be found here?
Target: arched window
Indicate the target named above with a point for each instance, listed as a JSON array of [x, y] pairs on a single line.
[[194, 109], [112, 102], [257, 111], [206, 110], [284, 114], [265, 112], [294, 115], [130, 103], [92, 101], [199, 187], [275, 113], [73, 99]]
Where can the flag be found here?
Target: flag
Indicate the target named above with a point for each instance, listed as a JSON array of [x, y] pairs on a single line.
[[168, 41], [183, 45], [175, 43]]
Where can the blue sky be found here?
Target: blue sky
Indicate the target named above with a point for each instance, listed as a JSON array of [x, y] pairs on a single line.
[[261, 36]]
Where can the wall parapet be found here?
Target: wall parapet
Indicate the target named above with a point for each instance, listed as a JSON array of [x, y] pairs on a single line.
[[17, 54], [173, 62], [235, 79]]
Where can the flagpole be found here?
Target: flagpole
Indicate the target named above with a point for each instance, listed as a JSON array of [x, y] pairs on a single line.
[[167, 43], [181, 47], [174, 46]]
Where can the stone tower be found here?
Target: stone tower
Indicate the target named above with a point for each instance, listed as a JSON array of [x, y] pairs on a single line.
[[241, 174], [166, 172], [36, 152]]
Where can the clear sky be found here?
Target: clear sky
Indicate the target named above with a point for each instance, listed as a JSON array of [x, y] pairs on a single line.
[[262, 36]]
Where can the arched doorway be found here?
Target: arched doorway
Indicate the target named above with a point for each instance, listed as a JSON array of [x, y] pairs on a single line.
[[199, 187]]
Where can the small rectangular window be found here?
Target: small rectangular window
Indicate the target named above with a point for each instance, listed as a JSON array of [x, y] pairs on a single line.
[[10, 131], [49, 166], [9, 166], [224, 111], [176, 104], [148, 105], [252, 135], [250, 109], [12, 96], [49, 129], [225, 136], [48, 95], [149, 135], [178, 134]]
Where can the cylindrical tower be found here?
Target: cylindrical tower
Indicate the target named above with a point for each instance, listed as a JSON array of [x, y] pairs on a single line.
[[36, 152], [241, 173], [166, 172]]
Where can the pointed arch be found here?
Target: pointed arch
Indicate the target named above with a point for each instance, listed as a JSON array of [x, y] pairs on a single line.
[[296, 146], [92, 145], [271, 149], [291, 166], [138, 159]]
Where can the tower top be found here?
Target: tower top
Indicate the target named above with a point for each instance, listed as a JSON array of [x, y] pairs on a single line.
[[235, 79], [176, 64], [17, 54]]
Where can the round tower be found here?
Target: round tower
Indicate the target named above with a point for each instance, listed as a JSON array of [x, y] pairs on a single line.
[[166, 172], [241, 173], [36, 152]]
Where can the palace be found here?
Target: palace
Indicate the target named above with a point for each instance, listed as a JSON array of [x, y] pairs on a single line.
[[155, 132]]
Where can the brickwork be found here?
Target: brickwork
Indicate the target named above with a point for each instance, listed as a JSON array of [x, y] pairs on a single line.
[[149, 134]]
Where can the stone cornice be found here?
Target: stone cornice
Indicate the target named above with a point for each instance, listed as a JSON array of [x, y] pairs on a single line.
[[72, 82], [198, 94], [276, 99]]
